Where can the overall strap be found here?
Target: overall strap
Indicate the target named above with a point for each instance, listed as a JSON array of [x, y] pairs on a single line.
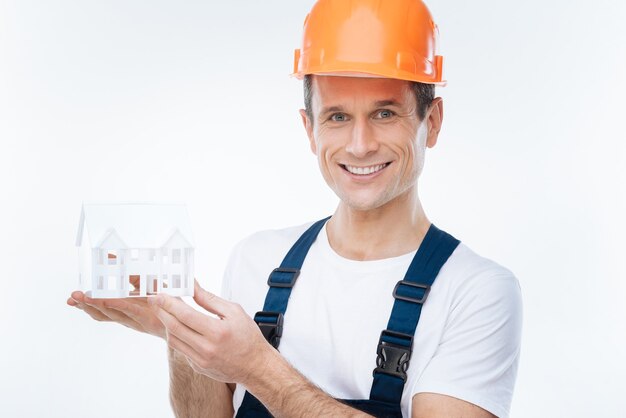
[[281, 281], [396, 342]]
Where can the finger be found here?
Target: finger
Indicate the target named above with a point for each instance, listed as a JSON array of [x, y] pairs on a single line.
[[136, 310], [107, 308], [210, 301], [176, 308], [105, 304], [93, 312], [179, 329], [119, 304], [184, 348], [120, 318], [78, 296], [127, 308]]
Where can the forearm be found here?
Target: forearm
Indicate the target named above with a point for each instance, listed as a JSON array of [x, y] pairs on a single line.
[[193, 395], [286, 393]]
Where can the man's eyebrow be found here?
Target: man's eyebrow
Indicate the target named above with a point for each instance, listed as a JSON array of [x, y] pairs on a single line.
[[388, 102], [329, 109], [380, 103]]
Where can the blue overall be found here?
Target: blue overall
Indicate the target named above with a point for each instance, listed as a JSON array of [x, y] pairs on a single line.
[[395, 343]]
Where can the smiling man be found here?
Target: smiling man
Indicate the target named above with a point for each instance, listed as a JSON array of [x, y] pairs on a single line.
[[373, 311]]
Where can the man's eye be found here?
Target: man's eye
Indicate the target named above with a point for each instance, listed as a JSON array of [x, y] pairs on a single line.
[[385, 114], [338, 117]]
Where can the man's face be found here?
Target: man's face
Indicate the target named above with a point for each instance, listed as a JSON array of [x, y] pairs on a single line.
[[368, 139]]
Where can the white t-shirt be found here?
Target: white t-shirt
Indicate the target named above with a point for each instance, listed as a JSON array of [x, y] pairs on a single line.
[[466, 344]]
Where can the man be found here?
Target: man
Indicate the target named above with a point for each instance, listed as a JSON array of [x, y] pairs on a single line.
[[357, 339]]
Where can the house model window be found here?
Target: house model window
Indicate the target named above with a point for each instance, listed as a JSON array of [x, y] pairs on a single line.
[[134, 250]]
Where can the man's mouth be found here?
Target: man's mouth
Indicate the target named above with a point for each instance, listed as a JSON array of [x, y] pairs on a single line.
[[364, 171]]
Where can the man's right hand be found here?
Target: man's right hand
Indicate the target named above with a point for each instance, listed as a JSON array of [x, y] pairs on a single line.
[[191, 394], [134, 313]]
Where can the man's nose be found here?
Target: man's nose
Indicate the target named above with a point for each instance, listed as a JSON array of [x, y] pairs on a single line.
[[362, 139]]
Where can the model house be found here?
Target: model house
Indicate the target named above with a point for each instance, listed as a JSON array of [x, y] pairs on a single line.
[[128, 250]]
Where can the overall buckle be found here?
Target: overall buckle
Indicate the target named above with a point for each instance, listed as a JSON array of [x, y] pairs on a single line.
[[282, 272], [425, 288], [271, 325], [392, 354]]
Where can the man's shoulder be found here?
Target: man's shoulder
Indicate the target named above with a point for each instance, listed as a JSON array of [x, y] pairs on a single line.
[[253, 258], [273, 238], [267, 246], [468, 273], [471, 263]]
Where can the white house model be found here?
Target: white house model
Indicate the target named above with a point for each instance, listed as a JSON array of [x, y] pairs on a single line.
[[132, 250]]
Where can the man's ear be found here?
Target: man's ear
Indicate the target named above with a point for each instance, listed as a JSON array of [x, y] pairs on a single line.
[[308, 127], [434, 118]]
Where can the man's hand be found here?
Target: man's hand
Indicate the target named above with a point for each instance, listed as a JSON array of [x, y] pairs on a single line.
[[229, 348], [191, 394], [134, 313]]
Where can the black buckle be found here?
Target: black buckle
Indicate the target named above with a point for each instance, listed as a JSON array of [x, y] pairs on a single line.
[[414, 285], [295, 273], [272, 331], [393, 359]]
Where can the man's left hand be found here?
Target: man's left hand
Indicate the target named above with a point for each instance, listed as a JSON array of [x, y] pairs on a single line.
[[229, 348]]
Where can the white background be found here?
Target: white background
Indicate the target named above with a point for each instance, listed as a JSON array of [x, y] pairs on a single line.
[[191, 102]]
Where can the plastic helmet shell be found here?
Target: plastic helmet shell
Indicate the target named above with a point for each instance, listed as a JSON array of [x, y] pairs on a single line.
[[370, 38]]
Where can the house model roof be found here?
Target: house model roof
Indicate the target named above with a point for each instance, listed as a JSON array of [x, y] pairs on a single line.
[[136, 225]]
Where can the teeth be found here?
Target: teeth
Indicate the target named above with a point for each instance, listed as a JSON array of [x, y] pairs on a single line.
[[365, 170]]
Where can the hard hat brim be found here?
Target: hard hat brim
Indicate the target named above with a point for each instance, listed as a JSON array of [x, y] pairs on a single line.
[[348, 73]]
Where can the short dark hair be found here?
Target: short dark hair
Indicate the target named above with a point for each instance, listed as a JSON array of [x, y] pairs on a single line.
[[424, 94]]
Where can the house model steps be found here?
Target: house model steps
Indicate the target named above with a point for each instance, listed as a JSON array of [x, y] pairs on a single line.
[[135, 250]]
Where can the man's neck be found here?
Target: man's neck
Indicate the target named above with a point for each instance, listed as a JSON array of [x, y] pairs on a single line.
[[389, 231]]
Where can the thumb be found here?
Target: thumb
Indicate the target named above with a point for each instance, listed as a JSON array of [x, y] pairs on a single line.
[[210, 301]]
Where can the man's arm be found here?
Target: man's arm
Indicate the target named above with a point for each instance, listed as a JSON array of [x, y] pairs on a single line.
[[231, 348], [286, 393], [477, 356], [195, 395], [435, 405], [191, 394]]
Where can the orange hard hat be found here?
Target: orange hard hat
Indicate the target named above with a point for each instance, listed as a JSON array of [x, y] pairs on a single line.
[[375, 38]]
